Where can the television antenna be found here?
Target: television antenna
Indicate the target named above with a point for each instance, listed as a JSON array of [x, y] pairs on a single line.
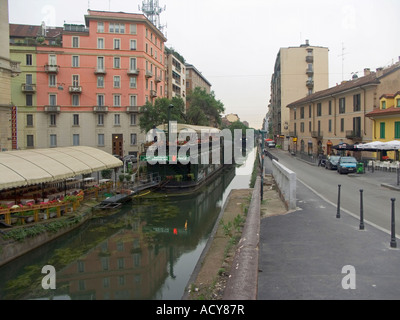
[[152, 11], [342, 55]]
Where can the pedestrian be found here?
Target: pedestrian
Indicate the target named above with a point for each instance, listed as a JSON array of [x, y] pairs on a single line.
[[319, 159]]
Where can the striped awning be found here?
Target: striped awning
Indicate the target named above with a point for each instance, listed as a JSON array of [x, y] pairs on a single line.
[[28, 167]]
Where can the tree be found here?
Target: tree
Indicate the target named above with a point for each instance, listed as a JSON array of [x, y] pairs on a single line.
[[155, 114], [206, 103]]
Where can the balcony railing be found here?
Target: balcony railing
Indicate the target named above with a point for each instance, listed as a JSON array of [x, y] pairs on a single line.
[[317, 134], [52, 109], [309, 71], [133, 72], [75, 89], [158, 78], [29, 87], [149, 74], [49, 68], [153, 93], [309, 59], [310, 83], [353, 135], [132, 109], [100, 70], [100, 109]]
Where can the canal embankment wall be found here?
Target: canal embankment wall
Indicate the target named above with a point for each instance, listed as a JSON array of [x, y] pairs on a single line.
[[243, 282]]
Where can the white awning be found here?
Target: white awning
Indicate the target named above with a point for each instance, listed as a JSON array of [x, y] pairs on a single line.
[[28, 167]]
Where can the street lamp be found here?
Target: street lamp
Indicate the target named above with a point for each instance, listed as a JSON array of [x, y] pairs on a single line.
[[169, 115], [262, 163]]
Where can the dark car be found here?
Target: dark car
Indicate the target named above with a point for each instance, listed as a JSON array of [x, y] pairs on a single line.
[[347, 165], [331, 163]]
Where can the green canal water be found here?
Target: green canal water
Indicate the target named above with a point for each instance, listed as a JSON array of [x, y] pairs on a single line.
[[146, 251]]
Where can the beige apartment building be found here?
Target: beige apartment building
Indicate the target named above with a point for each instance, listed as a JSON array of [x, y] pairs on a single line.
[[194, 78], [338, 114], [298, 72], [175, 76], [8, 69]]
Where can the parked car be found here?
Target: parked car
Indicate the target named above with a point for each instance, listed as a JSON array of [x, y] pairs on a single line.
[[117, 156], [331, 162], [270, 144], [132, 158], [347, 165]]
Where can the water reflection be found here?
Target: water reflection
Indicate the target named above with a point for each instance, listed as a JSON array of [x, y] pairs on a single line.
[[148, 250]]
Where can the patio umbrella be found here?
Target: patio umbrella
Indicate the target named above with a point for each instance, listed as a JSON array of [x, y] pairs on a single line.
[[345, 146], [395, 144], [374, 145]]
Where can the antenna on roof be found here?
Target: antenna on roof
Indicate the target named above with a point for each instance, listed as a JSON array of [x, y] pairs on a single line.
[[152, 10], [342, 55]]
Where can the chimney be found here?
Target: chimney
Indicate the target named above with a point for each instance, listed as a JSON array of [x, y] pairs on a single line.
[[307, 42], [379, 72], [367, 71]]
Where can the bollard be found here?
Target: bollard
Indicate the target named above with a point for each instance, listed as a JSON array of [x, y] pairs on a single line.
[[393, 243], [361, 210], [338, 205]]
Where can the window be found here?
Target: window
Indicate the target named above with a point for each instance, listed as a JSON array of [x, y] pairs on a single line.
[[75, 61], [319, 109], [117, 120], [330, 108], [52, 99], [117, 28], [309, 111], [100, 27], [29, 141], [330, 125], [342, 105], [52, 60], [53, 140], [29, 120], [28, 79], [52, 80], [302, 113], [302, 127], [132, 82], [29, 60], [100, 119], [357, 127], [309, 126], [100, 43], [29, 100], [53, 120], [397, 130], [132, 64], [398, 103], [100, 82], [382, 130], [100, 139], [100, 100], [132, 101], [117, 43], [342, 125], [75, 42], [133, 139], [75, 80], [133, 45], [357, 102], [75, 139], [100, 63], [383, 104], [117, 100], [117, 81], [75, 100], [133, 29], [75, 119], [117, 62], [133, 119]]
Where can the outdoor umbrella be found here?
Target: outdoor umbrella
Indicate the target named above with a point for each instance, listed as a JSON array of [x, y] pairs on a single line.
[[375, 146], [395, 144]]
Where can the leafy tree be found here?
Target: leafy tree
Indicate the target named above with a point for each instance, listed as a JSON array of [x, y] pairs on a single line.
[[212, 108]]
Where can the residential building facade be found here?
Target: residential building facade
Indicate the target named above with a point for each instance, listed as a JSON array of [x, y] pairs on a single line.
[[338, 114], [194, 78], [175, 77], [8, 70], [298, 71], [91, 84]]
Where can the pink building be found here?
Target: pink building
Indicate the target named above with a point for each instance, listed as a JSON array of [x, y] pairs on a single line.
[[90, 88]]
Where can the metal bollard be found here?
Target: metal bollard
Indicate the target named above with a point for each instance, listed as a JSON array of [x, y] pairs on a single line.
[[393, 243], [338, 205], [361, 210]]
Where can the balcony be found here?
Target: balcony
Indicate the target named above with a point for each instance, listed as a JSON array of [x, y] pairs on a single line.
[[132, 109], [158, 79], [310, 71], [310, 59], [310, 84], [133, 72], [100, 70], [28, 88], [149, 74], [317, 134], [100, 109], [52, 109], [353, 135], [75, 89], [153, 93], [293, 134], [49, 68], [15, 68]]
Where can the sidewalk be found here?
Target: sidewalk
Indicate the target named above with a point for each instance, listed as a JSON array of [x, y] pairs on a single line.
[[302, 253]]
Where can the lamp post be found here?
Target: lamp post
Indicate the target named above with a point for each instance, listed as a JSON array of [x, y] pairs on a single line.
[[262, 163], [169, 115]]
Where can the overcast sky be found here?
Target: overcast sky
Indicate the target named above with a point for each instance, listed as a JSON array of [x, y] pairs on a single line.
[[234, 43]]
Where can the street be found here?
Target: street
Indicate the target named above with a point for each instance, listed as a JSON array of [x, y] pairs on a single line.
[[376, 199]]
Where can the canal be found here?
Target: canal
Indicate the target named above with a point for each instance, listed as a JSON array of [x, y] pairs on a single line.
[[146, 251]]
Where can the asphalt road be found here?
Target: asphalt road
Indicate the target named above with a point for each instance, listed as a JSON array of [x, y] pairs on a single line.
[[377, 202]]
